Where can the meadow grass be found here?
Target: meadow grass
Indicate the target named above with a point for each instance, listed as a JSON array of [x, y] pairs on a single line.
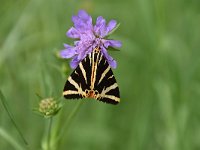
[[158, 74]]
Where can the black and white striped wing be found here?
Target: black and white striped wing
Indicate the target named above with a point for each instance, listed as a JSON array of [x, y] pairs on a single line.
[[76, 84], [93, 78]]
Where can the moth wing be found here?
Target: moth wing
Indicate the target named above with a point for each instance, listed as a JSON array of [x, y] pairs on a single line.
[[76, 83], [106, 84]]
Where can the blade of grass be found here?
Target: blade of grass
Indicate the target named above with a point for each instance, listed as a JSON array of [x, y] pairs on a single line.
[[10, 139], [5, 105]]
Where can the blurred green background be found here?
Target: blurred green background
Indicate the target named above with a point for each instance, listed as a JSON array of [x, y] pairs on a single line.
[[158, 74]]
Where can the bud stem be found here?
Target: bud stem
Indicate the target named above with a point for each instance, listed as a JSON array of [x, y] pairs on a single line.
[[47, 141], [49, 133], [66, 125]]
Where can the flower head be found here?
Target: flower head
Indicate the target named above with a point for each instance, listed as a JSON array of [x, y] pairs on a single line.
[[89, 37], [48, 107]]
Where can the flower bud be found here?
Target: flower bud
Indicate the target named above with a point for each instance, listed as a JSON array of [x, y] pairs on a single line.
[[48, 107]]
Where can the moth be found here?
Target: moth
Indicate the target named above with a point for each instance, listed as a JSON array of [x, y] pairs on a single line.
[[93, 78]]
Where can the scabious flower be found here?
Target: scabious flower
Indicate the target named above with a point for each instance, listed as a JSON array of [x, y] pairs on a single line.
[[89, 37]]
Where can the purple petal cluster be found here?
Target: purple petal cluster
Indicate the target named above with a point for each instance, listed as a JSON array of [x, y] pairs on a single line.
[[88, 37]]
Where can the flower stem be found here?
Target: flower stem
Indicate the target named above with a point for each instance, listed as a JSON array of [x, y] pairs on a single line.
[[67, 123], [49, 134], [47, 141]]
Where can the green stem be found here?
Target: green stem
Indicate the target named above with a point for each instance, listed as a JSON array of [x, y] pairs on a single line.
[[47, 137], [67, 123], [49, 134]]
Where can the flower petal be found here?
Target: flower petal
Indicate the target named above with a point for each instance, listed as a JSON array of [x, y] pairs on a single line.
[[84, 15], [110, 60], [84, 52], [74, 62], [112, 43], [111, 25], [67, 46], [67, 53], [83, 21], [90, 49], [89, 37], [81, 55], [100, 27], [76, 43], [73, 33], [76, 20], [87, 19], [113, 63]]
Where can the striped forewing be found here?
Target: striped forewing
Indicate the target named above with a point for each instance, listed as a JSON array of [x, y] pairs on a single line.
[[93, 78]]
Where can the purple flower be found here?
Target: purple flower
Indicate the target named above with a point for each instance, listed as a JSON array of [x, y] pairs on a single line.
[[88, 37]]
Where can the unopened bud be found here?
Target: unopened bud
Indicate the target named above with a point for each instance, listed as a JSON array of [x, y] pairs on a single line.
[[48, 107]]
